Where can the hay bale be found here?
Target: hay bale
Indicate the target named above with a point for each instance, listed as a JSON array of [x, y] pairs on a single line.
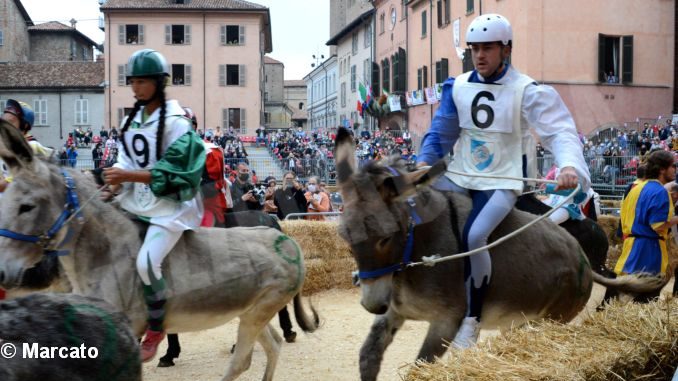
[[624, 342], [328, 259]]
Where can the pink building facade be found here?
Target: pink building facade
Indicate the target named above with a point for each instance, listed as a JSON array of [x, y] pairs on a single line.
[[215, 50], [611, 61]]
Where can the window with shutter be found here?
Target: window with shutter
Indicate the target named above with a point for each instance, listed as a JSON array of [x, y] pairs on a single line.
[[627, 58], [439, 9], [222, 34], [469, 6], [395, 74], [222, 75], [2, 38], [121, 75], [402, 61], [241, 30], [168, 34], [141, 34], [353, 79], [224, 118], [425, 75], [423, 24], [386, 75], [419, 79], [444, 70], [467, 62], [343, 94], [187, 34], [243, 121], [121, 34], [375, 79], [121, 115], [242, 76], [187, 75], [40, 110], [438, 73]]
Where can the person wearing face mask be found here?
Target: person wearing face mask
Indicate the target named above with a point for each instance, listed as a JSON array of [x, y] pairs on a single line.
[[242, 191], [317, 201], [290, 198]]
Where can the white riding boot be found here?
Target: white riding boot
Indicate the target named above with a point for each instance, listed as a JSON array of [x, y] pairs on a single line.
[[467, 335]]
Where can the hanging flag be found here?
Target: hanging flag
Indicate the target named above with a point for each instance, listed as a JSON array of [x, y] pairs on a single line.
[[431, 95], [408, 98], [418, 97], [362, 92], [359, 107], [439, 91], [394, 103]]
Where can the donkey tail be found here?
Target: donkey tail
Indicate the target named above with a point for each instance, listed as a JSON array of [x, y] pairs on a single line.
[[636, 283], [306, 322]]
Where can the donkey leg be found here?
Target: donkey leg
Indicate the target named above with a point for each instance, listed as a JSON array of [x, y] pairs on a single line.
[[272, 342], [248, 332], [380, 337], [440, 334]]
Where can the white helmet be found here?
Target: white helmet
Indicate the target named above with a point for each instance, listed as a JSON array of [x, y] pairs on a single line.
[[489, 28]]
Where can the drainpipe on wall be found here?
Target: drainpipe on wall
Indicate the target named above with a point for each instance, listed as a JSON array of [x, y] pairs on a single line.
[[204, 78], [61, 127], [110, 79], [406, 115], [430, 51]]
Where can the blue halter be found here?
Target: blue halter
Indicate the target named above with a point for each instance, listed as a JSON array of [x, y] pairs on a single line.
[[45, 240], [413, 221]]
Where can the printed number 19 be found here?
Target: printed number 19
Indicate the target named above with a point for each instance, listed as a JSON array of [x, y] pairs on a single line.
[[475, 108]]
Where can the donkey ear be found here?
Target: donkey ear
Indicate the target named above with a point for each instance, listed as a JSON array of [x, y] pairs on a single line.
[[406, 185], [14, 149], [426, 175], [344, 155]]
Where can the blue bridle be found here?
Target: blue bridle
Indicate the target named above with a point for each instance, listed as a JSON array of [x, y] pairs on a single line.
[[412, 222], [45, 240]]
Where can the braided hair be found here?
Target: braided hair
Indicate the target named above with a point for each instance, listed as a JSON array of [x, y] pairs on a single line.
[[159, 92]]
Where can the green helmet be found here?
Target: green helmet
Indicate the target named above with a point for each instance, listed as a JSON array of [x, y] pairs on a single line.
[[147, 63]]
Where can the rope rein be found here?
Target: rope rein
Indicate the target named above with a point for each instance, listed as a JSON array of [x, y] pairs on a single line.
[[436, 258], [82, 206]]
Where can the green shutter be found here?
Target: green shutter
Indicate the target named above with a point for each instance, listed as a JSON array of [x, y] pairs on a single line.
[[402, 86], [627, 59], [375, 80]]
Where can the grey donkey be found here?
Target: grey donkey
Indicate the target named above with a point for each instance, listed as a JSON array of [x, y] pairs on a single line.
[[98, 341], [213, 275], [542, 273]]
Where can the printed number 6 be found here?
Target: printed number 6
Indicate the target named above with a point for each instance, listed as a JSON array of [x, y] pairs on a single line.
[[141, 151], [475, 108]]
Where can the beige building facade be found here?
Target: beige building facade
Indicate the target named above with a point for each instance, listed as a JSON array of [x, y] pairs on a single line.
[[215, 49], [612, 64]]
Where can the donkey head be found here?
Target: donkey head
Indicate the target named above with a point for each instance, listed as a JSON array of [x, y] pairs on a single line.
[[375, 219], [28, 206]]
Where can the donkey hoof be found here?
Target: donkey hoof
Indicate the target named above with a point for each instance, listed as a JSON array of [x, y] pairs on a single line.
[[165, 361], [233, 349], [291, 337]]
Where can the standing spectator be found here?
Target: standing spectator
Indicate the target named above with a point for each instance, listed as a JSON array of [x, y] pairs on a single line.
[[290, 198], [646, 217], [72, 155], [63, 157], [97, 155], [540, 159], [271, 188], [242, 191], [317, 201]]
